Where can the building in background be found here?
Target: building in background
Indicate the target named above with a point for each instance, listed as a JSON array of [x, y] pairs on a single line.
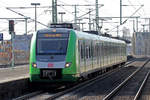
[[141, 44]]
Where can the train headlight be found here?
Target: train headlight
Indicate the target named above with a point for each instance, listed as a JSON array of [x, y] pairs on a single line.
[[68, 64], [34, 65]]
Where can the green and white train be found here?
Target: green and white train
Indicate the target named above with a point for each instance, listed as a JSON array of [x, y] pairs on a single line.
[[67, 55]]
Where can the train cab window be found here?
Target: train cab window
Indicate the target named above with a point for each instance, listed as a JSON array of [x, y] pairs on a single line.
[[57, 46]]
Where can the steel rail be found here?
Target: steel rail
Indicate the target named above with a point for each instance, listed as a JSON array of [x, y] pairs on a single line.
[[129, 62], [107, 97], [24, 97], [80, 86], [63, 92], [141, 87], [84, 84]]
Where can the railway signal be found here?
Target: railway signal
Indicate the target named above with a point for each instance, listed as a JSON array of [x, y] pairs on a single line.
[[1, 36], [11, 26]]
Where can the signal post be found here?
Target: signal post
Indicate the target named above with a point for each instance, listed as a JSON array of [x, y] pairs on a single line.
[[11, 31]]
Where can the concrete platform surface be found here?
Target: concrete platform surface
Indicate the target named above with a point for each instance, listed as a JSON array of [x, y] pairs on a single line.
[[16, 73]]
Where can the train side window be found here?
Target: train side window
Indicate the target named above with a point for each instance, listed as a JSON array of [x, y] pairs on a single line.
[[79, 49], [101, 46], [84, 50], [97, 50], [87, 51], [92, 50], [81, 52]]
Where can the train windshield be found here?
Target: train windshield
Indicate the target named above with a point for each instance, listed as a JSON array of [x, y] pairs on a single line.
[[52, 46]]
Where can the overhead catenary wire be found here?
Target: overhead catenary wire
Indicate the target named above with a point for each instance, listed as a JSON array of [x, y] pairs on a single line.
[[6, 29], [25, 16], [66, 10], [86, 13], [134, 7], [29, 7], [65, 4], [81, 15], [126, 19], [142, 8]]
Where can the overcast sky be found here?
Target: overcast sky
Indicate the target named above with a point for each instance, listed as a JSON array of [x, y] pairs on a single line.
[[110, 8]]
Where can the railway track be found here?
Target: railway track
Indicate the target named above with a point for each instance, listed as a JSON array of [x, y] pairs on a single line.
[[142, 86], [131, 87], [145, 91], [50, 96]]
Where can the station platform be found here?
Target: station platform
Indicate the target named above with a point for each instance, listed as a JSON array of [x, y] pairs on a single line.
[[14, 73], [14, 81]]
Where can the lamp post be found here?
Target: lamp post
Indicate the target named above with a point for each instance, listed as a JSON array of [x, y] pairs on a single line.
[[35, 4]]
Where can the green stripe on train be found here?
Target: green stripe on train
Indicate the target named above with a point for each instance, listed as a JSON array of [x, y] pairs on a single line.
[[33, 70], [71, 55]]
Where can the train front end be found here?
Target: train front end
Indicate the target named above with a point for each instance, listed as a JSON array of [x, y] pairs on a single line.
[[52, 56]]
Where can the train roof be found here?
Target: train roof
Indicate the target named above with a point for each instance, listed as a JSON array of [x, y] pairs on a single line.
[[51, 30], [97, 37], [83, 35]]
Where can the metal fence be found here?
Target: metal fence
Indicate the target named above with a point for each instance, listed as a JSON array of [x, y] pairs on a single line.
[[21, 50]]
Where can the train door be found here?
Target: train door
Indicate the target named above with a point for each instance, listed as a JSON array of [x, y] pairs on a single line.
[[113, 53], [105, 55], [81, 55], [78, 57], [94, 55], [84, 54], [100, 53], [97, 54], [108, 56], [117, 53], [90, 54], [120, 52], [109, 51], [87, 52]]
